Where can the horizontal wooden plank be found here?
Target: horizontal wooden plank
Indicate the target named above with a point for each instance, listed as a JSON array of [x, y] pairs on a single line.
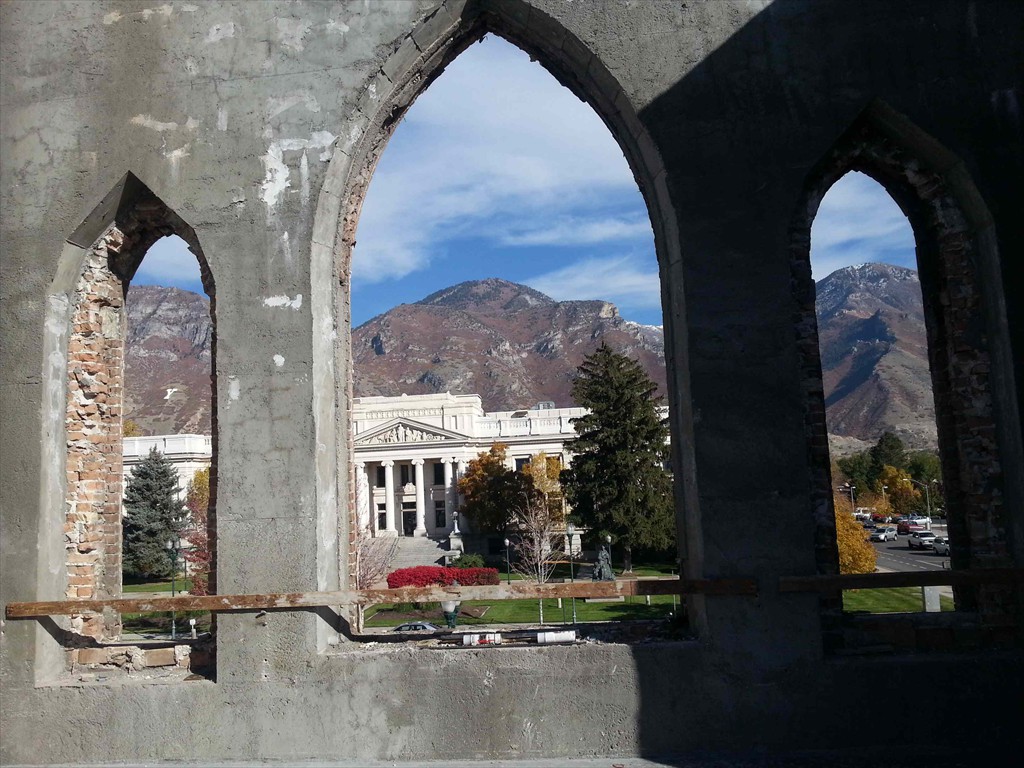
[[297, 600], [901, 579]]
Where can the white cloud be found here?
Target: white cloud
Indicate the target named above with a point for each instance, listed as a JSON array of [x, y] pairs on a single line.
[[494, 134], [859, 222], [581, 231], [628, 282]]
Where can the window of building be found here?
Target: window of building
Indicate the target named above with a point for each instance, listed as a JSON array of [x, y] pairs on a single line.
[[381, 480], [438, 473], [440, 519]]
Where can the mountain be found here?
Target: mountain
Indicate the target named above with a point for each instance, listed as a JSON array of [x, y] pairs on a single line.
[[167, 360], [874, 355], [510, 344], [516, 347]]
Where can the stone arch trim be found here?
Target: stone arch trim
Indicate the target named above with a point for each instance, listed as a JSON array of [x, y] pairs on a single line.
[[946, 214], [418, 59], [93, 376]]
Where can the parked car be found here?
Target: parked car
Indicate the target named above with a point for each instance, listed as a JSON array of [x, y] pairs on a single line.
[[417, 626], [880, 518], [906, 528], [920, 540], [941, 546], [884, 533], [924, 522]]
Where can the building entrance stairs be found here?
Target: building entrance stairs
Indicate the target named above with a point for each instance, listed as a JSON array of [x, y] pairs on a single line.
[[419, 550]]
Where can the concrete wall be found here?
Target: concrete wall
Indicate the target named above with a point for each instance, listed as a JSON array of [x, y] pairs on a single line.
[[258, 124]]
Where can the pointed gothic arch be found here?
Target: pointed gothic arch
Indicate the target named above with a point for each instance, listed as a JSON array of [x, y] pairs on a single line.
[[418, 60], [84, 342], [968, 347]]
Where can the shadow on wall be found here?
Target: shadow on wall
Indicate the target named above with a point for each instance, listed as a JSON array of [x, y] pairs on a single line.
[[748, 124]]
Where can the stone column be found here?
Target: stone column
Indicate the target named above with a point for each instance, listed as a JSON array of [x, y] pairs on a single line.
[[448, 506], [421, 512], [362, 498], [389, 498], [460, 468]]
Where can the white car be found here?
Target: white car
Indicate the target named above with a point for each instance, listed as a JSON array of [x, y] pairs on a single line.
[[941, 546], [884, 533], [920, 540]]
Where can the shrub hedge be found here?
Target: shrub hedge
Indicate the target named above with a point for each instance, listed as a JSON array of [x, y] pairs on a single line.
[[427, 575]]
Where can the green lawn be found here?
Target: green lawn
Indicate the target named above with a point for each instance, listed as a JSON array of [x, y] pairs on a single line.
[[889, 600], [180, 585], [526, 611]]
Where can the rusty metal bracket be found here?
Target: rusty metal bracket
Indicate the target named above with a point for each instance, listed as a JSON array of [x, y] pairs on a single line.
[[831, 583], [365, 597]]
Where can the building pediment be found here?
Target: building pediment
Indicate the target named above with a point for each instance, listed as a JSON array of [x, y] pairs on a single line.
[[403, 431]]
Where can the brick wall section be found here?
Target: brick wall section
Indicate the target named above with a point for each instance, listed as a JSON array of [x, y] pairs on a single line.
[[959, 361], [93, 422], [92, 529]]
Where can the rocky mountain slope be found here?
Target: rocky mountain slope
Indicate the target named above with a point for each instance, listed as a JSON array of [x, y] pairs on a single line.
[[510, 344], [167, 361], [515, 347], [874, 354]]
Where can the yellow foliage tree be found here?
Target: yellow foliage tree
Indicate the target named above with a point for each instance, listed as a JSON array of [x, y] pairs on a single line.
[[131, 429], [544, 470], [856, 555], [903, 496]]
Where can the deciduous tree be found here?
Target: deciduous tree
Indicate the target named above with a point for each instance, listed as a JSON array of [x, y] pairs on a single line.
[[538, 534], [856, 555], [154, 516], [196, 532], [617, 482], [492, 490], [544, 471]]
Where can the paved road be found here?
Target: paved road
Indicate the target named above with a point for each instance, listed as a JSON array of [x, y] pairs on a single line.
[[895, 556]]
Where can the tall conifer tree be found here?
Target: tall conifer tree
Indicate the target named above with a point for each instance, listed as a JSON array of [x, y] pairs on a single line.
[[617, 482], [155, 515]]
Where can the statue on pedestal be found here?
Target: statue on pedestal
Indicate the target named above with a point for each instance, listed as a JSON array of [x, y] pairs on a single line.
[[603, 566]]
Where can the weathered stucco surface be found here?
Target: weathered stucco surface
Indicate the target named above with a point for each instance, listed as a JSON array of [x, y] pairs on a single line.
[[257, 124]]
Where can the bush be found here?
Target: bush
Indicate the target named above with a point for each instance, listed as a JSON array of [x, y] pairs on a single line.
[[468, 561], [431, 575]]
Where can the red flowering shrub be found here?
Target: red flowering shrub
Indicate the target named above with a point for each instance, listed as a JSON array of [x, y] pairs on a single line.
[[428, 575], [420, 576], [475, 577]]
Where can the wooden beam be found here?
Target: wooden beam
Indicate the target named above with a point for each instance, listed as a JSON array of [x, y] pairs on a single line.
[[901, 579], [517, 590]]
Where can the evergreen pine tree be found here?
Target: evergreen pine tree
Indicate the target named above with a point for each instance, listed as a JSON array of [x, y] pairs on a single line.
[[617, 483], [155, 515]]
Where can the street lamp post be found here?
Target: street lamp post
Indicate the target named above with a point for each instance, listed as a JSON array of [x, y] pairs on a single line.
[[927, 494], [173, 549], [508, 564], [450, 609], [850, 488], [571, 530]]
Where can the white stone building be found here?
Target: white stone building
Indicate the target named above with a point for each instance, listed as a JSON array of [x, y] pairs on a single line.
[[411, 450], [409, 454]]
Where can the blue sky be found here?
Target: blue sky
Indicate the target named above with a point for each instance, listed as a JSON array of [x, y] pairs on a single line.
[[499, 171]]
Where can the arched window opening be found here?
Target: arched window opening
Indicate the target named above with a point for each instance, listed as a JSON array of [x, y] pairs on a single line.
[[503, 238], [879, 405], [125, 347], [168, 409], [966, 344]]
